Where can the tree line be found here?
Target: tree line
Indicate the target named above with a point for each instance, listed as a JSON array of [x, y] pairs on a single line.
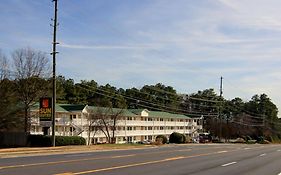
[[26, 78]]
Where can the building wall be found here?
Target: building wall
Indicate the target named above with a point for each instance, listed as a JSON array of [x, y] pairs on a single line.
[[129, 129]]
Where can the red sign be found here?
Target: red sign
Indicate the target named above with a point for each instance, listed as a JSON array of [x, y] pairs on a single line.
[[45, 109]]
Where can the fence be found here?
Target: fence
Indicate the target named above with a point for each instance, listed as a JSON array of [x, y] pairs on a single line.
[[13, 139]]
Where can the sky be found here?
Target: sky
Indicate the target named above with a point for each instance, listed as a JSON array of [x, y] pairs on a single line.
[[186, 44]]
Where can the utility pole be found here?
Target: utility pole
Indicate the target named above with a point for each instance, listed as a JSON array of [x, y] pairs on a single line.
[[55, 24], [220, 106]]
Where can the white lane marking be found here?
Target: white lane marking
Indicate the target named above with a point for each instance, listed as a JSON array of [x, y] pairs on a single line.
[[222, 151], [227, 164], [279, 173], [262, 155], [247, 148], [279, 151]]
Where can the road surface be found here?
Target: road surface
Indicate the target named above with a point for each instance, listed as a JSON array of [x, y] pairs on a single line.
[[195, 159]]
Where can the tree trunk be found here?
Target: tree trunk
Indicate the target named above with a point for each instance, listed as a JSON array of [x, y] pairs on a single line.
[[26, 120]]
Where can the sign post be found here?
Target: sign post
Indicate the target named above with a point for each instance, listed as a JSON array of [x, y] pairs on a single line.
[[45, 114]]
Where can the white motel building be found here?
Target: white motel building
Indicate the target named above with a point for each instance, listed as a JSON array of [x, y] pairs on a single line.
[[133, 125]]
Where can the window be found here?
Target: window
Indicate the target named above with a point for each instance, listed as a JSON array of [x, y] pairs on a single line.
[[150, 119], [71, 129], [129, 128], [172, 119], [161, 119], [172, 127], [129, 118], [72, 117], [161, 127], [130, 139], [149, 137], [150, 128]]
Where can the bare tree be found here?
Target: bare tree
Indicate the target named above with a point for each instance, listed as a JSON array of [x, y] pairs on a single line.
[[115, 117], [30, 67], [10, 114], [30, 63], [94, 122], [4, 66], [104, 119]]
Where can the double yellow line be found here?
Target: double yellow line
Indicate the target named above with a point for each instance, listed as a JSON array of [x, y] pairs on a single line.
[[139, 164]]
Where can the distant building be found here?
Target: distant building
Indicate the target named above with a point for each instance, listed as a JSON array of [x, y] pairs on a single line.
[[133, 125]]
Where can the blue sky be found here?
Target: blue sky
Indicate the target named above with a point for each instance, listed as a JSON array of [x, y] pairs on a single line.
[[187, 44]]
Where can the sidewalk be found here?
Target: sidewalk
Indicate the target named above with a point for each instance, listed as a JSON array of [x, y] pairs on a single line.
[[33, 151]]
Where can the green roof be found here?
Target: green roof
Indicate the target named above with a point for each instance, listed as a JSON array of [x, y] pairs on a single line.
[[137, 111], [158, 114], [112, 111], [125, 112], [72, 107], [165, 115], [62, 107]]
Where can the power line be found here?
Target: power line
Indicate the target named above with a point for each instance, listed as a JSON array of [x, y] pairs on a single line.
[[189, 97], [128, 97], [240, 123], [194, 104], [161, 109]]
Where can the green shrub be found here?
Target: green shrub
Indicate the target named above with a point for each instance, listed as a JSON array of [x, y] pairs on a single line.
[[162, 138], [188, 139], [260, 139], [183, 138], [248, 138], [239, 140], [41, 140], [274, 139], [251, 141], [176, 137]]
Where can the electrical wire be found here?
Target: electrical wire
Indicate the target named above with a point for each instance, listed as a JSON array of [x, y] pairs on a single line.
[[159, 109]]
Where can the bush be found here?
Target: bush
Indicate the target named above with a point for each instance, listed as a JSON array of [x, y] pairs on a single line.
[[176, 137], [41, 140], [247, 138], [188, 139], [251, 141], [184, 138], [260, 139], [264, 142], [274, 139], [239, 140], [161, 138]]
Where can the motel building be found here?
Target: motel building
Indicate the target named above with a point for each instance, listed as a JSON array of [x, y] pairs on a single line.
[[132, 125]]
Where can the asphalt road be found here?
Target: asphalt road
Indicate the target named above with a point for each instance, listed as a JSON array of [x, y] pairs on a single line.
[[206, 159]]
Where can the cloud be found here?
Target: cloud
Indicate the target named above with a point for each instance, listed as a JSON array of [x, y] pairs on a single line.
[[107, 47]]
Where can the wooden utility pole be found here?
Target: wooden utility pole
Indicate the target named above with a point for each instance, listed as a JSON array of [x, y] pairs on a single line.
[[55, 24], [220, 108]]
